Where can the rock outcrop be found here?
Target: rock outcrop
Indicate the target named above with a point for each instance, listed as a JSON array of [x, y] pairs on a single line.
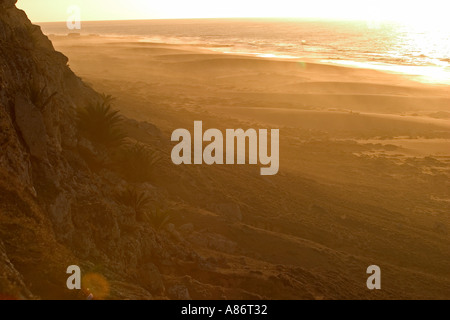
[[54, 210]]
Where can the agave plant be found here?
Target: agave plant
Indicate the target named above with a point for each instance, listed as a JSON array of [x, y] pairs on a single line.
[[101, 123], [137, 162], [158, 218], [107, 99], [133, 198]]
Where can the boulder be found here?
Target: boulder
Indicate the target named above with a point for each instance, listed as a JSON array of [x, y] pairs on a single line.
[[179, 292], [174, 233], [150, 278]]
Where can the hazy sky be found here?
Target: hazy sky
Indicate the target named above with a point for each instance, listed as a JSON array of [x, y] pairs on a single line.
[[416, 11]]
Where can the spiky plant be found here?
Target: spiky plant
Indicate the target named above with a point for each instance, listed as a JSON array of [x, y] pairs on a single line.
[[135, 199], [158, 218], [107, 99], [137, 162], [101, 123]]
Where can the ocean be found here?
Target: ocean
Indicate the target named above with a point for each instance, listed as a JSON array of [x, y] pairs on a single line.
[[424, 51]]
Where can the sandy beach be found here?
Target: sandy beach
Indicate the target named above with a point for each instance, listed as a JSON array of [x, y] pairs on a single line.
[[364, 168]]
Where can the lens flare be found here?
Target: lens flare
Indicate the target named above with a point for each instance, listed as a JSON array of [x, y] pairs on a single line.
[[95, 286]]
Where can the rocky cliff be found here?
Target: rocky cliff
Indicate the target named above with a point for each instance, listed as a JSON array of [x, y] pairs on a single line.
[[55, 210]]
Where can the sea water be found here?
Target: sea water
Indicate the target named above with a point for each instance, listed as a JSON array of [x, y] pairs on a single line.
[[422, 51]]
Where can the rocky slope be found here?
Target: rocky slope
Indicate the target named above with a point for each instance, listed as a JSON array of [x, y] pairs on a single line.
[[54, 210]]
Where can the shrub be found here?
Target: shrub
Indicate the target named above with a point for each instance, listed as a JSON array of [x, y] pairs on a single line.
[[107, 98], [137, 162], [101, 123], [158, 218], [133, 198]]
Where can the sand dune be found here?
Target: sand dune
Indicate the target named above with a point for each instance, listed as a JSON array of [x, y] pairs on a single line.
[[360, 123]]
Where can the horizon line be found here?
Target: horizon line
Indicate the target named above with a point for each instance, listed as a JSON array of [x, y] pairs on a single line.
[[218, 18]]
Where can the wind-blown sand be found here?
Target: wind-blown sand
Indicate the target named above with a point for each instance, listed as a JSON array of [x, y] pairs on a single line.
[[364, 165]]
